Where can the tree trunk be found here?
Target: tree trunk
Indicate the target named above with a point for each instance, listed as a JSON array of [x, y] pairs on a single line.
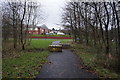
[[107, 42], [14, 29], [22, 42], [23, 47]]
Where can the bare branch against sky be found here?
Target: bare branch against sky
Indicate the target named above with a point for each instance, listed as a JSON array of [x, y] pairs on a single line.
[[52, 11]]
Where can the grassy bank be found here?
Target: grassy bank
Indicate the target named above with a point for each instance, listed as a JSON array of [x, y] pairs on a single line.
[[24, 66], [27, 63], [89, 55]]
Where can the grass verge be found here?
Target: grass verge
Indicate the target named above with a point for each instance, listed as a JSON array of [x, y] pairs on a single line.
[[24, 66], [88, 55], [27, 63]]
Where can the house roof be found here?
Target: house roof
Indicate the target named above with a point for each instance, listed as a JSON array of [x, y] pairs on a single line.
[[42, 26]]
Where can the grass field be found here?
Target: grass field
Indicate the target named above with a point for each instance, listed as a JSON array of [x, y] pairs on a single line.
[[41, 43], [51, 35], [88, 56]]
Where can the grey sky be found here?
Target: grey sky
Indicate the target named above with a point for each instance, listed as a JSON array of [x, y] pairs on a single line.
[[52, 10]]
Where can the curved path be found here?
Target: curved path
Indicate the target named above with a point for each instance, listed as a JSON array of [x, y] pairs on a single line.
[[64, 64]]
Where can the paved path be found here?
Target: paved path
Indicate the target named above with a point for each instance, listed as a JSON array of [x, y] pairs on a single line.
[[55, 43], [64, 65]]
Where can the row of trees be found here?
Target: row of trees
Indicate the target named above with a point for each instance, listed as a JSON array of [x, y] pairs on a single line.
[[17, 17], [96, 24]]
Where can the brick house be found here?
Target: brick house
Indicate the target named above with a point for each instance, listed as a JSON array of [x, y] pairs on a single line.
[[43, 29]]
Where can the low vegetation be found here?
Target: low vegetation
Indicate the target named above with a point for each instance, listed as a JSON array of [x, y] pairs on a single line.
[[92, 57], [27, 63]]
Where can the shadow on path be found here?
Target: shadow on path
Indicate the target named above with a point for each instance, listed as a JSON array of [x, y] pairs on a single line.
[[64, 64]]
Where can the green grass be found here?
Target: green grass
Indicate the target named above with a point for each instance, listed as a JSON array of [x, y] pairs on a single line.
[[88, 58], [88, 55], [25, 66], [41, 43], [65, 40], [50, 35]]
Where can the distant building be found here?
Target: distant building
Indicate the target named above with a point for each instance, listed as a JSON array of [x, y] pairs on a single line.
[[60, 33], [43, 29], [66, 31]]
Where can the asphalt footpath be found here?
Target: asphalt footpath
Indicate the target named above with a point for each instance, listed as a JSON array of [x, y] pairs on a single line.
[[64, 64]]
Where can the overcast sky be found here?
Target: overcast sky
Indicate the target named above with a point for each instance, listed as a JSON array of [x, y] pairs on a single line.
[[52, 10]]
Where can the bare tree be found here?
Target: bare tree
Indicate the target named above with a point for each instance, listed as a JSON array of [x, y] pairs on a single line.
[[95, 23], [20, 15]]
